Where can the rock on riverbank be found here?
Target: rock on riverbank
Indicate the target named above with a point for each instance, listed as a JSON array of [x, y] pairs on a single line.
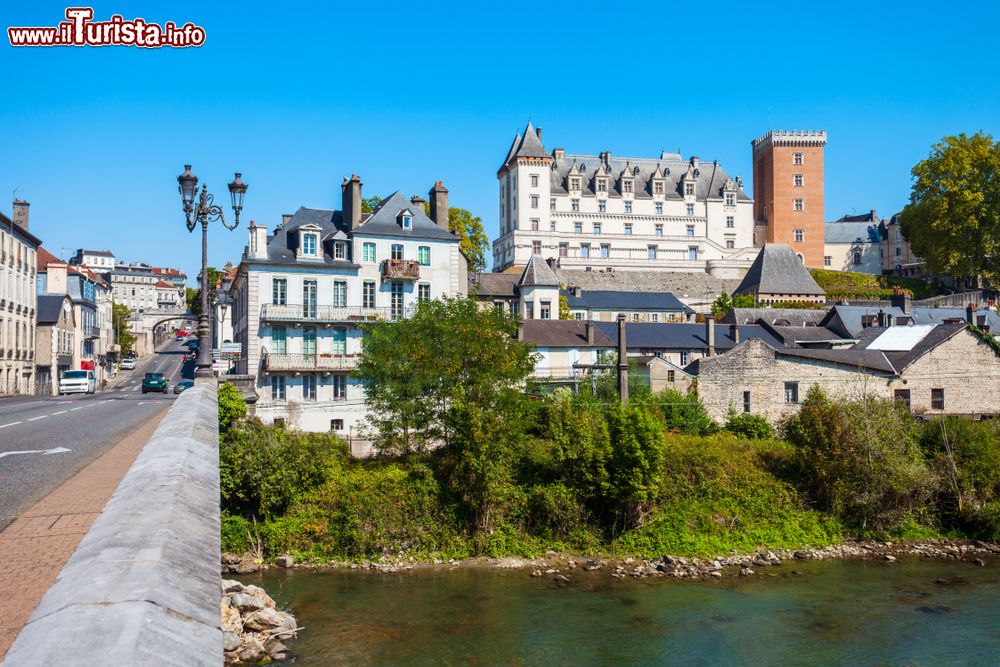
[[252, 628]]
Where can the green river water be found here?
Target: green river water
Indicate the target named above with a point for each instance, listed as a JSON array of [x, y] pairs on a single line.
[[818, 613]]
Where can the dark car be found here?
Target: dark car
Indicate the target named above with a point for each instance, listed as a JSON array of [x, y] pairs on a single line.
[[182, 385], [154, 382]]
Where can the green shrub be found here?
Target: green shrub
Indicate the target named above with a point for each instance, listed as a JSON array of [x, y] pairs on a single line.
[[232, 407], [684, 413], [236, 532], [750, 426]]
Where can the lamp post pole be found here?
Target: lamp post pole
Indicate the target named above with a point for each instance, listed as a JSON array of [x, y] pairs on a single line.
[[202, 212]]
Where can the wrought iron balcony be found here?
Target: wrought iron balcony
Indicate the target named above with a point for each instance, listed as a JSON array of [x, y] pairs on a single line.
[[276, 363], [401, 269], [274, 312]]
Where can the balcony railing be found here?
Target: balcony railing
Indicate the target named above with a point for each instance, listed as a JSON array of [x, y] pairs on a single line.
[[274, 312], [309, 362], [401, 269]]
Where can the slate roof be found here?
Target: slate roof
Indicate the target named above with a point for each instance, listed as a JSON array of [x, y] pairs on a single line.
[[683, 284], [537, 273], [680, 335], [49, 307], [281, 247], [870, 216], [97, 253], [487, 283], [562, 333], [790, 335], [623, 300], [870, 359], [383, 221], [850, 232], [777, 270], [794, 316]]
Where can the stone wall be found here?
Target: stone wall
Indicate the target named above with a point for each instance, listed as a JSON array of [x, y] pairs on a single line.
[[143, 586]]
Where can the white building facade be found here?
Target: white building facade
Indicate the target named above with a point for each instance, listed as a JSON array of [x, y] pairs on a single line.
[[300, 295], [18, 302], [602, 212]]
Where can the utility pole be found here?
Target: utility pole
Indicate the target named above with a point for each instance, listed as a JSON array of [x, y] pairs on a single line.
[[622, 361]]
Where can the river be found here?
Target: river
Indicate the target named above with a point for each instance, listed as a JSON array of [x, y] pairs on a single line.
[[821, 613]]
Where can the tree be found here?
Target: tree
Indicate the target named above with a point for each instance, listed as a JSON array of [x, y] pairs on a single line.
[[193, 295], [120, 315], [450, 357], [564, 311], [368, 204], [953, 218], [474, 241], [724, 303], [232, 406]]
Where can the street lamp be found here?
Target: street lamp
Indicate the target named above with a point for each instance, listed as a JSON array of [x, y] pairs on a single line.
[[203, 211]]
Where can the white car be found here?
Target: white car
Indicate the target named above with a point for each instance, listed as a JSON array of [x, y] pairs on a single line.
[[128, 364], [77, 382]]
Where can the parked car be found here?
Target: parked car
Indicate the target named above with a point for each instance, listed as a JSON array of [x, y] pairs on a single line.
[[77, 382], [128, 364], [182, 385], [154, 382]]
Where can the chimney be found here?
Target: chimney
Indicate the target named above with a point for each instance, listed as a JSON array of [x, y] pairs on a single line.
[[418, 202], [551, 261], [350, 206], [520, 331], [590, 332], [622, 361], [258, 242], [734, 333], [538, 131], [901, 300], [888, 319], [439, 206], [55, 278], [880, 318], [970, 314], [710, 333], [285, 218], [558, 154], [577, 291], [873, 216], [21, 213]]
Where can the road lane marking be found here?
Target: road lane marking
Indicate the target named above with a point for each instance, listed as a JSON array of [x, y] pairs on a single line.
[[76, 408], [54, 450], [10, 424], [59, 413], [34, 419]]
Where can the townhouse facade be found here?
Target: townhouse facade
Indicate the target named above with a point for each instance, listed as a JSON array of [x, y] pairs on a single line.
[[18, 302], [97, 260], [300, 295], [55, 342], [605, 212]]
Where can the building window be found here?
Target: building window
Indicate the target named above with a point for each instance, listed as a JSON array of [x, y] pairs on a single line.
[[797, 158], [746, 401], [688, 189], [659, 208], [534, 201], [658, 230], [574, 204], [797, 180], [339, 293], [651, 252], [857, 258], [578, 316], [903, 396], [693, 252], [552, 204], [339, 250], [279, 336], [574, 183], [338, 341], [424, 255], [899, 251], [799, 205], [657, 187], [396, 252], [730, 222], [396, 303], [563, 249], [339, 385], [423, 292], [336, 424], [654, 317], [536, 247], [407, 222], [628, 207], [597, 228], [800, 235], [584, 250], [279, 291], [277, 388], [730, 243], [552, 226], [309, 244], [635, 317], [578, 227], [534, 180], [627, 185], [684, 357], [730, 199], [937, 399], [602, 206], [309, 387], [605, 251], [690, 209], [546, 310], [792, 392], [827, 260], [690, 231], [628, 230], [368, 294], [529, 310], [534, 224]]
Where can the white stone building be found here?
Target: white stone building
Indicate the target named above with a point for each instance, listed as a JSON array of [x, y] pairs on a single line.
[[98, 260], [603, 212], [18, 303], [300, 294]]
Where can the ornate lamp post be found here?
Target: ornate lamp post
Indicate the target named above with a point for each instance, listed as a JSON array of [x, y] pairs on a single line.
[[203, 211]]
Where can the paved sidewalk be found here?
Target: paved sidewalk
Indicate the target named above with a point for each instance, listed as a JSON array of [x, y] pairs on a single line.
[[35, 546]]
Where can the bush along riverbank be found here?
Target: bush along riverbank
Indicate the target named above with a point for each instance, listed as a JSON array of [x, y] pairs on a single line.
[[652, 487]]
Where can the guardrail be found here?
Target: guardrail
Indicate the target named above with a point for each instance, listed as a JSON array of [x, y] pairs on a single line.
[[310, 362], [143, 586], [282, 312]]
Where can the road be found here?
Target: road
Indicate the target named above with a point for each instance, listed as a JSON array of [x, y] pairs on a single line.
[[78, 427]]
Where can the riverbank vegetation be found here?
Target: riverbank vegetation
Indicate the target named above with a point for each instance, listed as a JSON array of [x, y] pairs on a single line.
[[469, 465]]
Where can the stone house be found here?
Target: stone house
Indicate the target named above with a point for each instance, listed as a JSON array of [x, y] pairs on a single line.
[[55, 337]]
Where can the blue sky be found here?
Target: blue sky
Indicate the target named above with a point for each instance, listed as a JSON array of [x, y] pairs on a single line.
[[405, 94]]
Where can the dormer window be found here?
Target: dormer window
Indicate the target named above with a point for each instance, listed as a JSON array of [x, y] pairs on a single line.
[[340, 250], [602, 185], [627, 185], [730, 199], [309, 244], [688, 189], [574, 183], [657, 187]]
